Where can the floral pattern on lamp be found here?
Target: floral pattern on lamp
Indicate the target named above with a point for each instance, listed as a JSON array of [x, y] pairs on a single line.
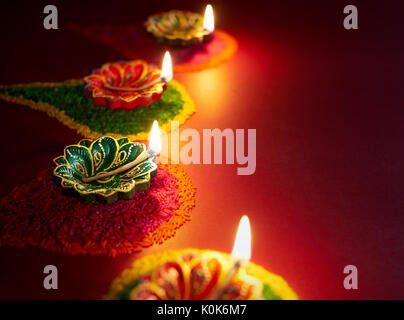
[[89, 158]]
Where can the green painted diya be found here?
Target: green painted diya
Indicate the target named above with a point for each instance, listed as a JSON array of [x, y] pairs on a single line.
[[105, 169], [177, 28]]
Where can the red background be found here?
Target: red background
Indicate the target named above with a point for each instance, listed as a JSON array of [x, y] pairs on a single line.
[[327, 106]]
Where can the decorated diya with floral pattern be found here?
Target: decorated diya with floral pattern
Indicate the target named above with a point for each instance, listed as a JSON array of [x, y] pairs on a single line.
[[193, 274], [125, 84], [105, 169], [179, 28]]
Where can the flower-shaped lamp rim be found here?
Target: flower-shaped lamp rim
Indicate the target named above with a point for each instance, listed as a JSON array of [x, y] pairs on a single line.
[[104, 96], [138, 182], [197, 34], [147, 267]]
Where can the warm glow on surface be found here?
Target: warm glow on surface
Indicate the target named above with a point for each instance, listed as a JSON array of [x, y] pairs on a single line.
[[167, 68], [155, 138], [208, 19], [242, 244]]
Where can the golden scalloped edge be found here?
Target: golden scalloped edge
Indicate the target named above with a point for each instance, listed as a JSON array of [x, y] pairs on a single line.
[[187, 110], [148, 263]]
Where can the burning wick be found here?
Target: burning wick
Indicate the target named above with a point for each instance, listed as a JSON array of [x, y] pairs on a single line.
[[241, 254], [155, 145], [152, 151], [208, 19], [167, 68], [166, 75]]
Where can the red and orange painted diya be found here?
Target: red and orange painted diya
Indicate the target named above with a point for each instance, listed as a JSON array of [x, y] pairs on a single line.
[[125, 84], [192, 274]]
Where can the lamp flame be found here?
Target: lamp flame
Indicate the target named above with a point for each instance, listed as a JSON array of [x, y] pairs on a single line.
[[167, 68], [242, 244], [208, 19], [155, 138]]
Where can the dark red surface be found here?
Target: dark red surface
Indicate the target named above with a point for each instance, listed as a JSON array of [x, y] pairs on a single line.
[[327, 106], [134, 43]]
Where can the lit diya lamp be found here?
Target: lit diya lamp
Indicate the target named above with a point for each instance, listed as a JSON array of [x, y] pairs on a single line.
[[192, 274], [128, 84], [108, 169], [181, 28]]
